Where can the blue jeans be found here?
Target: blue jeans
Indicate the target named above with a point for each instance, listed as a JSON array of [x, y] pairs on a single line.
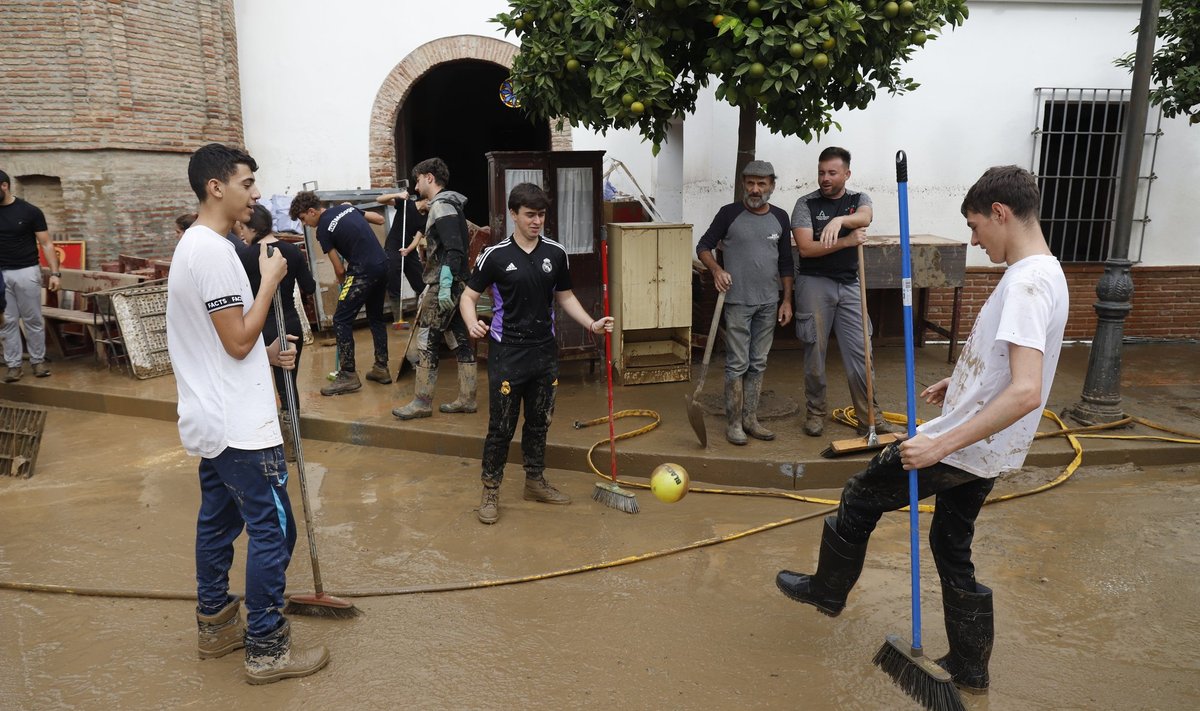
[[241, 488], [749, 333]]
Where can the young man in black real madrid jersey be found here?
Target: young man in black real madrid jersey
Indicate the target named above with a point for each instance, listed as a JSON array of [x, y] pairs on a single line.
[[527, 273]]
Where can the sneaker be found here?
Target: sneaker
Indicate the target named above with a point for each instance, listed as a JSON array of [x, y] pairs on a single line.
[[814, 425], [41, 370], [379, 374], [13, 374], [540, 490], [343, 383], [489, 505]]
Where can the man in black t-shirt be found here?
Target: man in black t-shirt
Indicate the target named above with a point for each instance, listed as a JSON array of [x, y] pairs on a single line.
[[527, 274], [22, 230], [828, 225], [344, 234]]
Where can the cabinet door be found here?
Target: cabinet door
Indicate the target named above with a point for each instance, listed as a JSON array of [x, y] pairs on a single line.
[[639, 278], [674, 276]]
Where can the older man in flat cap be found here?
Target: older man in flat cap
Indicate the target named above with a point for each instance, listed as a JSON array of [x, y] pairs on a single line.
[[756, 266]]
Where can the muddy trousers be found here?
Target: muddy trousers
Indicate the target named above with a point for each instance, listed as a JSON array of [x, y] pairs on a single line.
[[440, 323], [361, 288], [825, 306], [883, 486], [749, 333], [519, 376], [245, 489], [23, 304]]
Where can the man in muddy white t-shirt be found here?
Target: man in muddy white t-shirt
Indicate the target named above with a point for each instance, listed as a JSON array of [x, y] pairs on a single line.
[[990, 410]]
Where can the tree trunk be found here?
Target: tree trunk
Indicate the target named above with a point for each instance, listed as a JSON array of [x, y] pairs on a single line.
[[747, 130]]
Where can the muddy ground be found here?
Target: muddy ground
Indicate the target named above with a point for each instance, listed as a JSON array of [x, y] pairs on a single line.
[[1095, 591]]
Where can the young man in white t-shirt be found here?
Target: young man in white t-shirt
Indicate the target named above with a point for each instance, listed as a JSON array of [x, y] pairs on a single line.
[[990, 409], [227, 417]]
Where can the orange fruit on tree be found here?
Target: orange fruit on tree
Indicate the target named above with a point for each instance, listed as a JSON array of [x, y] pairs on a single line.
[[820, 61], [890, 10], [637, 107]]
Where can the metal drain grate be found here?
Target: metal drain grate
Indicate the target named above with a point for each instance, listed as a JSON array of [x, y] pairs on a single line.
[[20, 438]]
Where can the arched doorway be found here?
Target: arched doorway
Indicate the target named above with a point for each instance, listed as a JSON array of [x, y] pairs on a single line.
[[486, 60], [454, 112]]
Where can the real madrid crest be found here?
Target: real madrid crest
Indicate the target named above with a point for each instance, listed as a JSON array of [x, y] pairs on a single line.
[[546, 265]]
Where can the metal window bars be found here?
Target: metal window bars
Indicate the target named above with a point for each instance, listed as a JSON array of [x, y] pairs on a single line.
[[1076, 158]]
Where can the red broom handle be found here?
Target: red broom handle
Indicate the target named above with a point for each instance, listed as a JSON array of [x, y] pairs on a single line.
[[612, 437]]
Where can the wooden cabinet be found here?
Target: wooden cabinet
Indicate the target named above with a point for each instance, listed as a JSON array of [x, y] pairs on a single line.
[[650, 286]]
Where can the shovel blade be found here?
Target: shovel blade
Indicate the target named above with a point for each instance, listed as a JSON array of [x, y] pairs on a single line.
[[696, 417]]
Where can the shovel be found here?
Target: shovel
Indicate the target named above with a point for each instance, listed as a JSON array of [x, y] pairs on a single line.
[[695, 414]]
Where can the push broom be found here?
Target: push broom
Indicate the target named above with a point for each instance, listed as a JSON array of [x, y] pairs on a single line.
[[919, 676], [318, 604], [608, 493]]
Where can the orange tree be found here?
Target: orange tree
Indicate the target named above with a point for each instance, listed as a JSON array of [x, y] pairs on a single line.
[[1176, 66], [787, 64]]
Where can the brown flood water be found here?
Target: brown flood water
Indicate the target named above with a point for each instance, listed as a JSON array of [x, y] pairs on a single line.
[[1095, 591]]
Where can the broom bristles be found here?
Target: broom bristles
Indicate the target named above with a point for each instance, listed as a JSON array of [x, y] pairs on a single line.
[[919, 677], [320, 606], [615, 497]]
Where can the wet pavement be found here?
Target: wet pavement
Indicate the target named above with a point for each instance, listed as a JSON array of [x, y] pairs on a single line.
[[1095, 580], [1160, 382]]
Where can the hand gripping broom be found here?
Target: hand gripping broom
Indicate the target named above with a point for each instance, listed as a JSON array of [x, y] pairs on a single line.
[[907, 665], [318, 604], [608, 493]]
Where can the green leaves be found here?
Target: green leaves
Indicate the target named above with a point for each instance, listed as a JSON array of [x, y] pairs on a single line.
[[797, 60], [1176, 66]]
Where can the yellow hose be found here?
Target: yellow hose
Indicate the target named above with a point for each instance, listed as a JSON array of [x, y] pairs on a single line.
[[843, 415]]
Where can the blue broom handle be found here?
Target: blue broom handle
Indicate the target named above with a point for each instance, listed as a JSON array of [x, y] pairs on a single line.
[[910, 390]]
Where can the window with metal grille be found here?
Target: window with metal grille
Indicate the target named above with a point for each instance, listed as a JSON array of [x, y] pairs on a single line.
[[1077, 159]]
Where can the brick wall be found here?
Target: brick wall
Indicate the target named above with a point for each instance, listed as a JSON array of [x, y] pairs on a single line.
[[118, 201], [155, 75], [1165, 305], [106, 101]]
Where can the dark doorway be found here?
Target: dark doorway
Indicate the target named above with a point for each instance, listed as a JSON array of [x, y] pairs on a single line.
[[455, 112]]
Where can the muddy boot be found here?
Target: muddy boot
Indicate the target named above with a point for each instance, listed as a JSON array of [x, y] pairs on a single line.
[[814, 424], [221, 633], [538, 489], [734, 397], [270, 659], [970, 631], [379, 374], [422, 402], [41, 370], [12, 375], [467, 381], [752, 391], [344, 383], [838, 568], [489, 504], [289, 439]]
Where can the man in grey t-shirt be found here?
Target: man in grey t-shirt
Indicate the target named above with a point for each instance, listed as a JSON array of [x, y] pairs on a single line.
[[828, 225], [757, 262]]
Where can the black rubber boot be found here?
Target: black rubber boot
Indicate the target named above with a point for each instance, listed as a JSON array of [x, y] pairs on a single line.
[[971, 631], [838, 568]]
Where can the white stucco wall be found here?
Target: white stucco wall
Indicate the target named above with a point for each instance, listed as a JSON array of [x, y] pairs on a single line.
[[310, 72]]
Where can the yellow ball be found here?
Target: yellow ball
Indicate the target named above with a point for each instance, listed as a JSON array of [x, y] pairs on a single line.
[[669, 482]]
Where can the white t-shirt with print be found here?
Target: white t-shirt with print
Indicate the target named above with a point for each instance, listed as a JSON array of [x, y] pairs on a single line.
[[223, 401], [1027, 308]]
